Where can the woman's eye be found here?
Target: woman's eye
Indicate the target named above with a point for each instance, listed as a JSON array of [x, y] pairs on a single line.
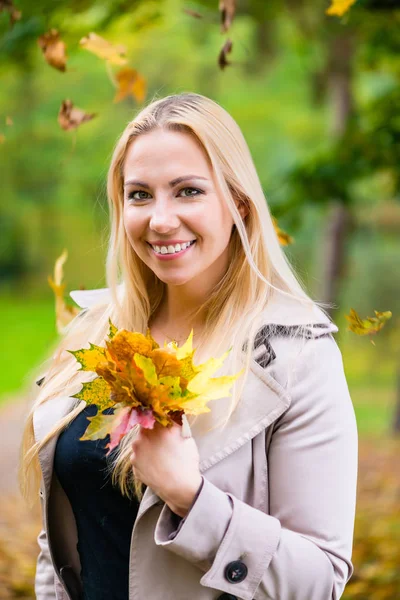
[[198, 192], [131, 195]]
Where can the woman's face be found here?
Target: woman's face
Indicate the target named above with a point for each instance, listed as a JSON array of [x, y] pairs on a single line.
[[170, 199]]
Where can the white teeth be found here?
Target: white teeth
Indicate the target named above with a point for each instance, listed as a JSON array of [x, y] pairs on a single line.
[[171, 249]]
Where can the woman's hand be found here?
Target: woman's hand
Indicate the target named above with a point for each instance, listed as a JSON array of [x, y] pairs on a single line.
[[168, 464]]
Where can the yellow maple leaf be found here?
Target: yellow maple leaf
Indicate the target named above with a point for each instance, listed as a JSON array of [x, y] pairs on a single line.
[[284, 238], [100, 425], [368, 326], [64, 312], [96, 392], [89, 358], [339, 7], [185, 350]]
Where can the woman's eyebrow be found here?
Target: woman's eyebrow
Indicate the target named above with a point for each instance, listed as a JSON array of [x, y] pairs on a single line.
[[171, 183]]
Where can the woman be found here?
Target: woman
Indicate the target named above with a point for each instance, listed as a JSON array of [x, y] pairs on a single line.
[[260, 502]]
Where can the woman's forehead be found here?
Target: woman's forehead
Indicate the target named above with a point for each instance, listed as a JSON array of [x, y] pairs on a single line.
[[171, 146]]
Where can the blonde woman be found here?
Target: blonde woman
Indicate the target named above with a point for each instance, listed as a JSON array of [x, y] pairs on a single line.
[[259, 502]]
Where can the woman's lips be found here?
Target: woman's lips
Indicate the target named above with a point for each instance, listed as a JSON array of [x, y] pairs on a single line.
[[171, 256]]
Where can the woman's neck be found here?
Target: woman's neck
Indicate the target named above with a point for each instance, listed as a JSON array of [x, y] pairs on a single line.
[[173, 318]]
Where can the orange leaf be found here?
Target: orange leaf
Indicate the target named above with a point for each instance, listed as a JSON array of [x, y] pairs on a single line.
[[227, 9], [70, 117], [125, 344], [166, 363], [130, 83], [15, 14], [222, 59], [53, 49]]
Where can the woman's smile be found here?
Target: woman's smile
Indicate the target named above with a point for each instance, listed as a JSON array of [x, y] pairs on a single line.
[[171, 252]]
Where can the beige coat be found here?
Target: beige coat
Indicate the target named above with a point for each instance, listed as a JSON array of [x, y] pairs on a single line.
[[275, 515]]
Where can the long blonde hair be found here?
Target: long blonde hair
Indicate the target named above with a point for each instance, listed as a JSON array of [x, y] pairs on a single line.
[[258, 269]]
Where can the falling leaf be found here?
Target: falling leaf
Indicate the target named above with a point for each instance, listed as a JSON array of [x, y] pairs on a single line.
[[2, 138], [130, 83], [339, 7], [70, 117], [7, 5], [9, 121], [193, 13], [114, 54], [147, 383], [284, 238], [368, 326], [222, 59], [227, 9], [53, 49], [64, 312]]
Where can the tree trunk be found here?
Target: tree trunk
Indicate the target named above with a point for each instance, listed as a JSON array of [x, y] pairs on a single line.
[[334, 257], [396, 416], [339, 73]]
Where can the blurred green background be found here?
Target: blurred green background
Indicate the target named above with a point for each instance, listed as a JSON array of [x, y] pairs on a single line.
[[317, 98]]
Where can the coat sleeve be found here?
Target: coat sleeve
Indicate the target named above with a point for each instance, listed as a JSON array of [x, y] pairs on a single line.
[[45, 575], [302, 548]]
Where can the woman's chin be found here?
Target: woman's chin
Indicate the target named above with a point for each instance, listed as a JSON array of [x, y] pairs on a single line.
[[175, 281]]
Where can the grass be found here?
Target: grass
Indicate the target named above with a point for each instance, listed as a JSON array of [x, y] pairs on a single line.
[[374, 408], [28, 328]]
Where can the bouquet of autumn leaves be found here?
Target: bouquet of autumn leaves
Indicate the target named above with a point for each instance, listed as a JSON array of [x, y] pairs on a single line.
[[145, 383]]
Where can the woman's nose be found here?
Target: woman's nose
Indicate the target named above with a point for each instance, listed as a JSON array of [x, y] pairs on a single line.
[[163, 218]]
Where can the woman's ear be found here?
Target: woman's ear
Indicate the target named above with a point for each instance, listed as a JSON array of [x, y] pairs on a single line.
[[242, 208]]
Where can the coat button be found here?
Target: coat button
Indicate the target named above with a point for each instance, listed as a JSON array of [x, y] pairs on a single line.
[[225, 596], [235, 571]]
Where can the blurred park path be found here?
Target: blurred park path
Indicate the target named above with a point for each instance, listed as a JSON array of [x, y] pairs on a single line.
[[12, 416], [19, 524]]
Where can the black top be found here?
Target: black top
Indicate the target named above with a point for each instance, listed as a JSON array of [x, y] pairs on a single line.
[[104, 517]]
